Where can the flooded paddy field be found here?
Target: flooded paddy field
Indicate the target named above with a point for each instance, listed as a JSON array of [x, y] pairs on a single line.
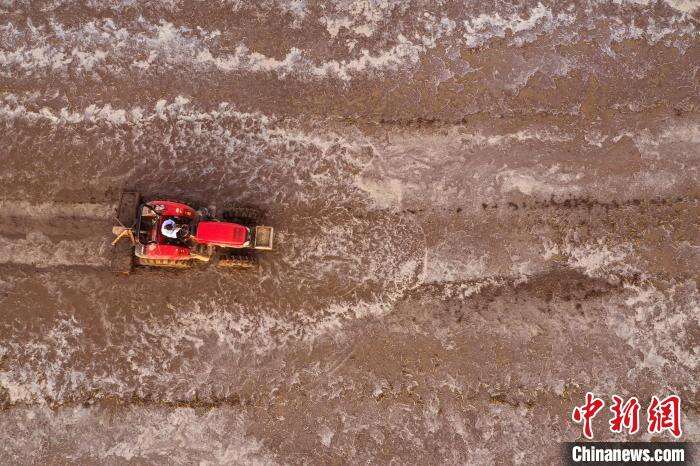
[[483, 210]]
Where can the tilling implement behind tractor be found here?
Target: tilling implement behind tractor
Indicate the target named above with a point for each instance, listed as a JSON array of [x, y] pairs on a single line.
[[171, 234]]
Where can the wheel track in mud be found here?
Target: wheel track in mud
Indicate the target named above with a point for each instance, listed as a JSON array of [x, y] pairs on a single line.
[[42, 229], [54, 234]]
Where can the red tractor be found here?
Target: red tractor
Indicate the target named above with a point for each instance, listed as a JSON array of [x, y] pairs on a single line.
[[172, 234]]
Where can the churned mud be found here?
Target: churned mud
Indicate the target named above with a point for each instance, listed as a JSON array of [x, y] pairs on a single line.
[[483, 210]]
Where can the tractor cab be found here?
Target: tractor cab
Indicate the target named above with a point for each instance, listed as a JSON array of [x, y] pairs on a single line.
[[152, 216]]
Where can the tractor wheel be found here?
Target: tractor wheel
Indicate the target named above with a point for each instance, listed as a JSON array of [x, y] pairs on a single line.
[[237, 261], [183, 264], [243, 215]]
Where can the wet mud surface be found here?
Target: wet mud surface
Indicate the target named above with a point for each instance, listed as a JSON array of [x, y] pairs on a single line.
[[483, 210]]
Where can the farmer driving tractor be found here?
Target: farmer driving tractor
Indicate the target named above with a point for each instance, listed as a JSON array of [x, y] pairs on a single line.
[[164, 233], [170, 229]]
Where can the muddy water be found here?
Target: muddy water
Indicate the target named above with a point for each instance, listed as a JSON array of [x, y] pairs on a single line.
[[483, 210]]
